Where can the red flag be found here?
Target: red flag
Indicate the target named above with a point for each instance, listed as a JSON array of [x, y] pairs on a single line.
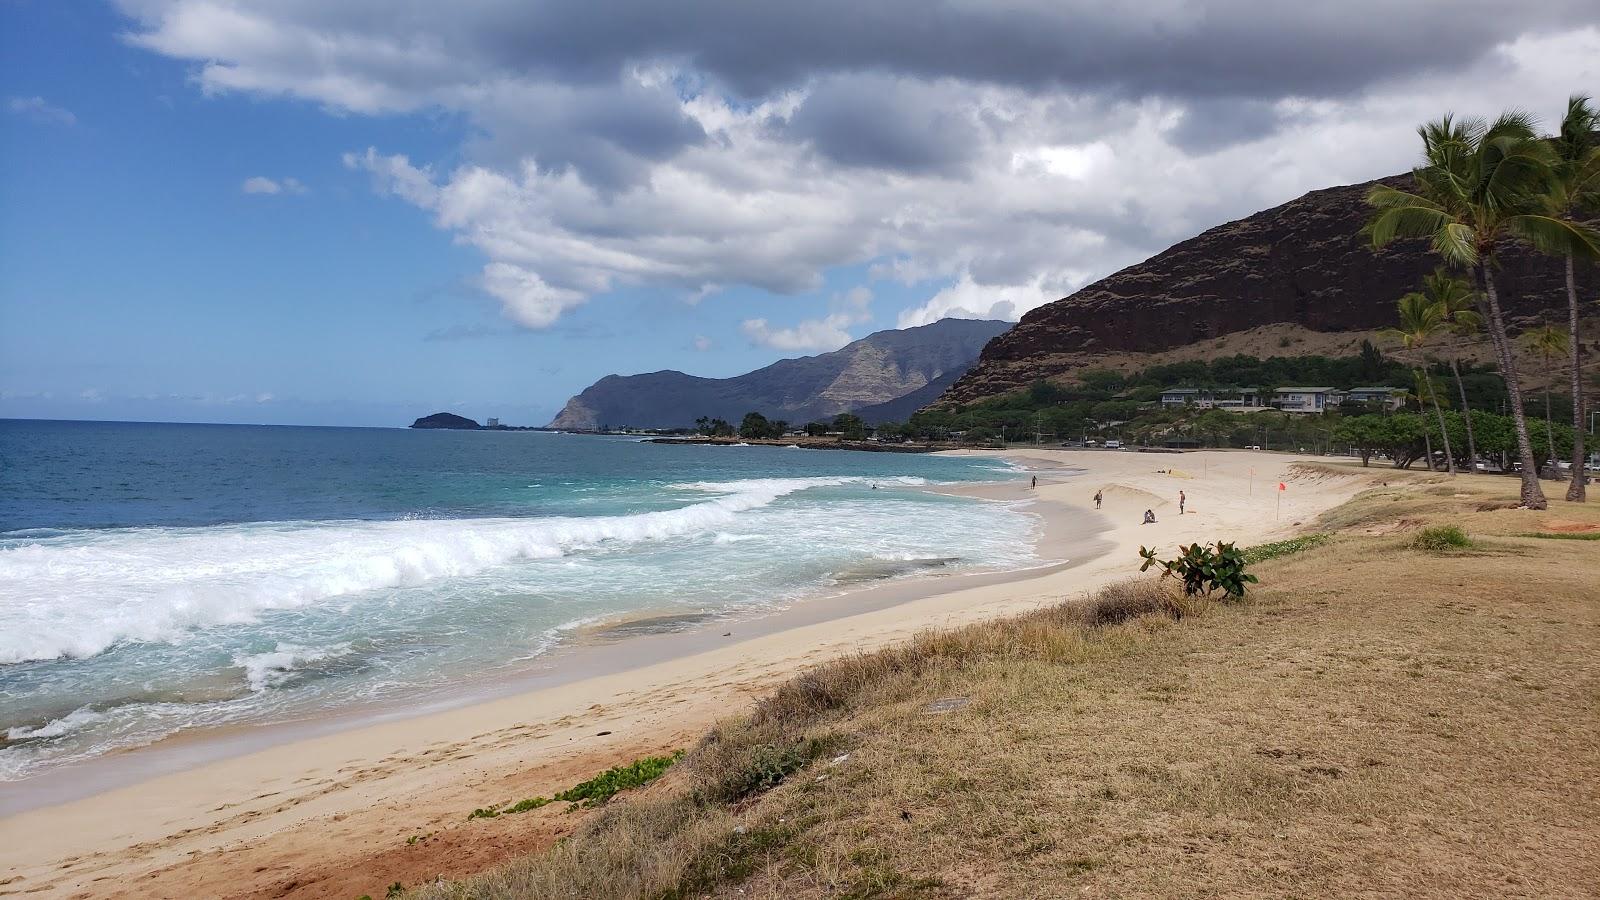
[[1282, 487]]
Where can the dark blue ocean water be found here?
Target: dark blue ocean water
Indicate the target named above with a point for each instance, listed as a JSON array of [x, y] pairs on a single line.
[[156, 578]]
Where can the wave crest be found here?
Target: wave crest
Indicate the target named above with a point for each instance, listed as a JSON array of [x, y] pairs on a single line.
[[79, 594]]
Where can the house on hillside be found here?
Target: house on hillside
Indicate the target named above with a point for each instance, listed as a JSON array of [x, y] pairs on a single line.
[[1306, 399], [1391, 397], [1232, 399]]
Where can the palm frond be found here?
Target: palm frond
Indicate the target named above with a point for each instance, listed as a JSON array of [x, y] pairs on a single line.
[[1576, 138], [1384, 197], [1457, 244], [1513, 123], [1555, 236], [1405, 222]]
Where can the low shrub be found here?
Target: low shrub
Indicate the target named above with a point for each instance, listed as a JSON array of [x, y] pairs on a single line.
[[1203, 570], [1441, 539], [1264, 552]]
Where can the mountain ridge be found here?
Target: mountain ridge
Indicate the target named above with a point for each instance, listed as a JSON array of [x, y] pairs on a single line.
[[875, 370], [1302, 263]]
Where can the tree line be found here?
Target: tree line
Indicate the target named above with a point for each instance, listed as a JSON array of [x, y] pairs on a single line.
[[1481, 185]]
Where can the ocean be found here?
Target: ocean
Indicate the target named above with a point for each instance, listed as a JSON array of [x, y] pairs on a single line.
[[163, 578]]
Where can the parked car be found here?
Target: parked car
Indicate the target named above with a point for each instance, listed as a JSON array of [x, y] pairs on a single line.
[[1113, 445], [1253, 447]]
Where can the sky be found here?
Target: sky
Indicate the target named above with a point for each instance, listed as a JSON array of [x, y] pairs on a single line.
[[302, 212]]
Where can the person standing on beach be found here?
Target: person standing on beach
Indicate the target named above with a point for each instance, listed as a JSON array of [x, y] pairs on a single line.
[[1096, 499], [1181, 500], [1035, 482]]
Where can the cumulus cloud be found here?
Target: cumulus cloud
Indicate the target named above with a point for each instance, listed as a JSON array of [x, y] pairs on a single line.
[[966, 299], [701, 343], [41, 110], [828, 333], [260, 184], [999, 155]]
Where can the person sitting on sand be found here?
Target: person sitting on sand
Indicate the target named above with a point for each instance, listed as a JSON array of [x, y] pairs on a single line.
[[1149, 517], [1096, 499]]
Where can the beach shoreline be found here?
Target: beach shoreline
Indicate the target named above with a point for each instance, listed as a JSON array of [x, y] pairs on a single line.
[[611, 645], [325, 804]]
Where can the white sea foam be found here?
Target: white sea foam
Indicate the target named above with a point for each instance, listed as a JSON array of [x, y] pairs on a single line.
[[275, 667], [81, 593], [56, 727], [726, 537]]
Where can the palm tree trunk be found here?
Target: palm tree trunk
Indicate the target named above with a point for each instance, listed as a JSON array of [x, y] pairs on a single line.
[[1466, 418], [1532, 493], [1550, 430], [1575, 491], [1449, 459], [1427, 447]]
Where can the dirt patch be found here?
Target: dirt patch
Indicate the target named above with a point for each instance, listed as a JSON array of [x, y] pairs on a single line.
[[1561, 526]]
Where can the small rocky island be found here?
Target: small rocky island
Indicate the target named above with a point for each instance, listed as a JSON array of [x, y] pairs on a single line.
[[447, 420]]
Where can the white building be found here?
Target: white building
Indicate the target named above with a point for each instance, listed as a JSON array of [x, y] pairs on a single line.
[[1232, 399], [1306, 399], [1390, 397]]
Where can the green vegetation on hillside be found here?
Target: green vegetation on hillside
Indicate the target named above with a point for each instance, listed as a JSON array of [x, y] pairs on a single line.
[[1127, 406]]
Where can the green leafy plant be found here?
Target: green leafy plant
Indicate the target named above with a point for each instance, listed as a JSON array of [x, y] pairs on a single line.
[[602, 787], [1204, 569], [593, 792]]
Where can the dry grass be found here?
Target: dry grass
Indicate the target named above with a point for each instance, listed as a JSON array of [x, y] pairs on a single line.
[[1375, 721]]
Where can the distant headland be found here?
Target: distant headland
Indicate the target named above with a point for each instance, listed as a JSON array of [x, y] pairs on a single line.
[[462, 423], [446, 420]]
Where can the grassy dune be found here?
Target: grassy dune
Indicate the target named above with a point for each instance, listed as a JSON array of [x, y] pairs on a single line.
[[1385, 715]]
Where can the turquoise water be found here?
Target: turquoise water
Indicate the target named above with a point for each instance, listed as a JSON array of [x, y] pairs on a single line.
[[159, 578]]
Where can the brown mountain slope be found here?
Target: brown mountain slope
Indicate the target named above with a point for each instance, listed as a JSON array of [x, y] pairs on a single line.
[[1303, 264]]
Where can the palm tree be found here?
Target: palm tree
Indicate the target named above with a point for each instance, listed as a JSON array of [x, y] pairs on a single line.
[[1457, 308], [1420, 317], [1577, 191], [1549, 342], [1480, 184], [1426, 390]]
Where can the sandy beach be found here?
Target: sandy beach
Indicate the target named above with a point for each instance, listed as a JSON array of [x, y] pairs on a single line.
[[331, 814]]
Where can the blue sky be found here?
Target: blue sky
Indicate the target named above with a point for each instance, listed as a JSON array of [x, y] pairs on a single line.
[[484, 210], [139, 281]]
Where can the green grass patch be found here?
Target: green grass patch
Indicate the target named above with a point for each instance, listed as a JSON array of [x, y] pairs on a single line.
[[1441, 539], [604, 786], [1264, 552], [1563, 535], [593, 792]]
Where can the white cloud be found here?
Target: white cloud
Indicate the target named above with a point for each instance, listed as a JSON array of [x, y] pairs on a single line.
[[91, 395], [811, 334], [526, 297], [831, 332], [260, 184], [1072, 140], [966, 299], [41, 110], [702, 343]]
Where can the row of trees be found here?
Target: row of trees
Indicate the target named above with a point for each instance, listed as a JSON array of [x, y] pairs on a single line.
[[1408, 437], [755, 426], [1480, 185]]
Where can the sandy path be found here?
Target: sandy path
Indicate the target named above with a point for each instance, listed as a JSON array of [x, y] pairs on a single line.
[[332, 815]]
